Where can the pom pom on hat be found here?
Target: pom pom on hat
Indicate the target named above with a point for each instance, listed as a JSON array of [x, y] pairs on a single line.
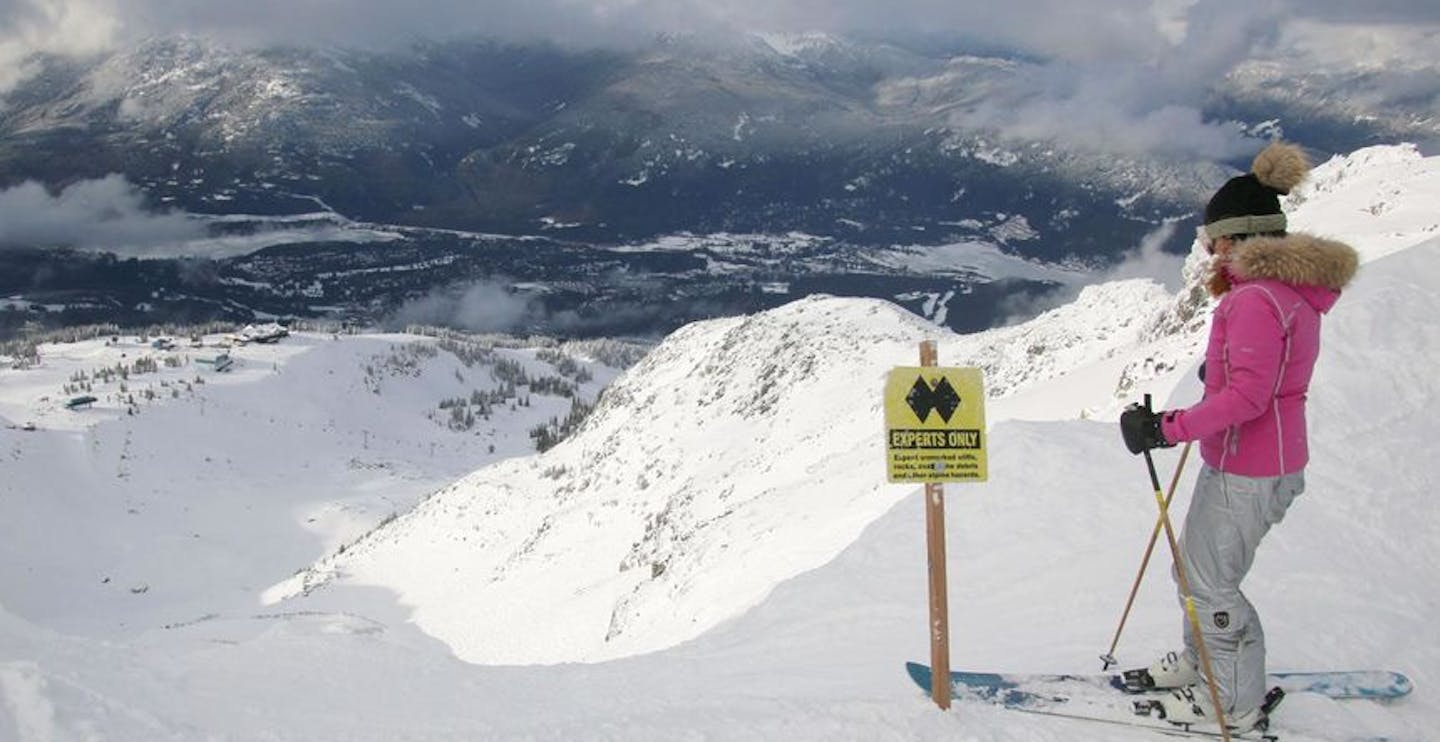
[[1281, 166]]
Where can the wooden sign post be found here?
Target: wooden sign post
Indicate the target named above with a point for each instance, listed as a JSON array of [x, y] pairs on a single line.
[[939, 594], [935, 430]]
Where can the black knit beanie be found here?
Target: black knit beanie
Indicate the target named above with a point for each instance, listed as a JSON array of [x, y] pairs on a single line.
[[1250, 203]]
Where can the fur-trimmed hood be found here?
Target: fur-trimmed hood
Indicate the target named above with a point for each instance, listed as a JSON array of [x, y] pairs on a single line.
[[1297, 259], [1264, 342]]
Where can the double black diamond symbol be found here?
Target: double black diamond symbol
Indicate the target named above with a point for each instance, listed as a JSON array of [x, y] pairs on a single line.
[[941, 398]]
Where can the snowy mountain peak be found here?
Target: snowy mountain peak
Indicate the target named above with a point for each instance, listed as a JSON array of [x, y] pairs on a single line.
[[744, 365], [1380, 198], [796, 44]]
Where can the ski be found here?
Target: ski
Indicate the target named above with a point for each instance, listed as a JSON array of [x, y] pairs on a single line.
[[1341, 684], [1372, 684], [1088, 698], [1165, 728], [1098, 697]]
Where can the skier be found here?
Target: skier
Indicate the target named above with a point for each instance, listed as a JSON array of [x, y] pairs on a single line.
[[1273, 287]]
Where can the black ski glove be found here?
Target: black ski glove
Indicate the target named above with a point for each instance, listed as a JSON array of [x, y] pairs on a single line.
[[1141, 429]]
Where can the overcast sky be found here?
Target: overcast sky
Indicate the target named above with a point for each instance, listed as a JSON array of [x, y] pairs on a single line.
[[1070, 29], [1190, 41]]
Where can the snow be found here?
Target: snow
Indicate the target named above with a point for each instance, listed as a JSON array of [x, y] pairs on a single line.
[[321, 438], [797, 44], [715, 554], [975, 258]]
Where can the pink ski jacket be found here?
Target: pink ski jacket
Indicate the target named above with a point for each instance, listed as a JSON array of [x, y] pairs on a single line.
[[1264, 339]]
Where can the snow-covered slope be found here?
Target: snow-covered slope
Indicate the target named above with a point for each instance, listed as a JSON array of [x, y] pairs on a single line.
[[250, 474], [780, 583]]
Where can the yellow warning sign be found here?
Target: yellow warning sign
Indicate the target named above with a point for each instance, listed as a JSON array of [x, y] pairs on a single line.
[[935, 424]]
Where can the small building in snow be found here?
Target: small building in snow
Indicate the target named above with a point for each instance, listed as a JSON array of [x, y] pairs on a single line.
[[80, 403], [267, 333], [221, 362]]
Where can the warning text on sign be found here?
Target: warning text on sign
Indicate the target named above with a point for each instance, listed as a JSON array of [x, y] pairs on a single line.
[[928, 467], [934, 439]]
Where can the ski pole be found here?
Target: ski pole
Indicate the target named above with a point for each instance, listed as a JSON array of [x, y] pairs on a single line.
[[1109, 657], [1185, 594]]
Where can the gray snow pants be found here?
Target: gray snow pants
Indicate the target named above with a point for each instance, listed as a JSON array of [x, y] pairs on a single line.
[[1228, 516]]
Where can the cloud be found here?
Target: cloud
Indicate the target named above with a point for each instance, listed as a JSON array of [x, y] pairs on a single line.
[[1405, 12], [1146, 260], [1084, 31], [1146, 101], [485, 306], [108, 214], [1149, 260], [64, 24], [495, 306], [71, 27], [1398, 61]]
